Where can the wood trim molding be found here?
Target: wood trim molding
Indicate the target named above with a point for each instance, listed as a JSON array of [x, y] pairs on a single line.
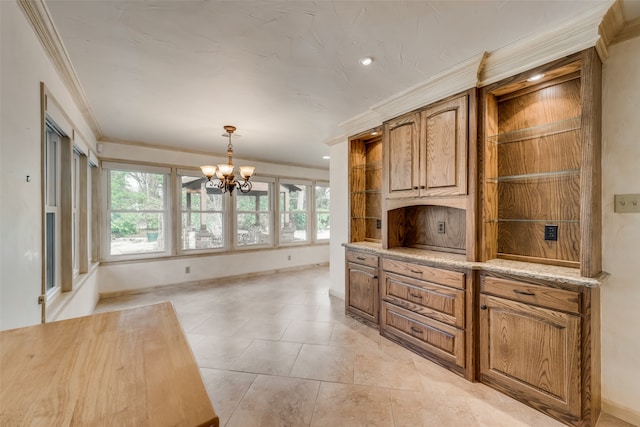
[[38, 16], [626, 414], [572, 36], [629, 30], [611, 24]]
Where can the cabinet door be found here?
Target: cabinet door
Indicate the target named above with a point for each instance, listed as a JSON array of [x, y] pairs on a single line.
[[444, 139], [362, 291], [532, 354], [402, 156]]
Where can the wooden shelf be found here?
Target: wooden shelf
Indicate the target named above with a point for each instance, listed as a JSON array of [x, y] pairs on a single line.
[[540, 131], [536, 176]]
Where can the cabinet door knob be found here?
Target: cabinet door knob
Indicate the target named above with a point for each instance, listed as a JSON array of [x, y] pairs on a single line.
[[415, 188], [422, 187], [375, 277], [483, 307]]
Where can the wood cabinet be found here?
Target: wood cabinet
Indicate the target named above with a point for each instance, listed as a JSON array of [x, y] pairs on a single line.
[[534, 346], [541, 169], [361, 292], [424, 309], [365, 186], [426, 151]]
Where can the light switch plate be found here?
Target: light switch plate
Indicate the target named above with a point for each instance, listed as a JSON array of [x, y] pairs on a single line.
[[625, 203]]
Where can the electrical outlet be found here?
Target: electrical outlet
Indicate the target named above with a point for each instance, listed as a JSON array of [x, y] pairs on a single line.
[[378, 224], [626, 203], [288, 257], [441, 227], [550, 232], [187, 270]]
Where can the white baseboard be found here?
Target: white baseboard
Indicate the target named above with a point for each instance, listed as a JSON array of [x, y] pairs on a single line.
[[626, 414], [336, 294]]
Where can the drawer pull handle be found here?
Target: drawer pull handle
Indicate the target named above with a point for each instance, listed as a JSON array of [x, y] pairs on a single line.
[[530, 294], [415, 296], [361, 258], [415, 271], [483, 307], [416, 330]]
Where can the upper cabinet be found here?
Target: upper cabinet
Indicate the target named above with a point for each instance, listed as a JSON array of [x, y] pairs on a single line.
[[402, 154], [443, 147], [541, 168], [426, 151]]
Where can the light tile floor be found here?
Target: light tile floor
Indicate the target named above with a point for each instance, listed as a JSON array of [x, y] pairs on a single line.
[[277, 350]]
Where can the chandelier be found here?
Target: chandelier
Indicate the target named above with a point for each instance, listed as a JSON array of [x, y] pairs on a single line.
[[225, 179]]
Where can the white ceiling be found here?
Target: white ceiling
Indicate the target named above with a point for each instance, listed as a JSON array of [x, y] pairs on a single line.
[[285, 73]]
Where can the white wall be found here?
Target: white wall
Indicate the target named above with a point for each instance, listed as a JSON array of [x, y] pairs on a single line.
[[125, 277], [24, 64], [339, 215], [621, 232]]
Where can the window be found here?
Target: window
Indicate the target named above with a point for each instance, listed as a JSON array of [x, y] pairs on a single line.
[[52, 212], [322, 194], [203, 214], [75, 192], [137, 213], [294, 211], [254, 215]]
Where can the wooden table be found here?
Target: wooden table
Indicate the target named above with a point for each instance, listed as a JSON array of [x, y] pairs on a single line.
[[126, 368]]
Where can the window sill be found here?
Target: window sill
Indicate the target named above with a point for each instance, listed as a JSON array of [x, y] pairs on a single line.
[[60, 301]]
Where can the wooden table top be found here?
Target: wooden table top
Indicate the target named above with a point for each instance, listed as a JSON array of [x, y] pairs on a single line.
[[127, 368]]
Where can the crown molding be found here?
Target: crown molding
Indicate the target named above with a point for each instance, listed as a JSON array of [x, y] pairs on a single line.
[[360, 123], [38, 16], [336, 140], [456, 79], [630, 30], [572, 36], [611, 24]]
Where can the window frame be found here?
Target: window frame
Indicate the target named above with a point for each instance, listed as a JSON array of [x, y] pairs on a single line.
[[273, 235], [166, 210], [280, 212], [180, 212], [316, 211], [52, 206]]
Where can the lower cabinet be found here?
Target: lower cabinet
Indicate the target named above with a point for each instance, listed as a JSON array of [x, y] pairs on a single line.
[[361, 290], [423, 309], [531, 347]]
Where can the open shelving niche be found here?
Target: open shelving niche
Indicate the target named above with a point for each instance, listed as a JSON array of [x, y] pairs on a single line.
[[365, 192], [537, 142]]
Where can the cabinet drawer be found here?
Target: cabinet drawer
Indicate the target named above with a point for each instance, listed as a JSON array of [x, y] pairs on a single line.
[[431, 274], [557, 299], [435, 338], [362, 258], [438, 302]]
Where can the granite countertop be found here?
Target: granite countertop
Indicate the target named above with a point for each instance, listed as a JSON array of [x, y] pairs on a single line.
[[552, 273]]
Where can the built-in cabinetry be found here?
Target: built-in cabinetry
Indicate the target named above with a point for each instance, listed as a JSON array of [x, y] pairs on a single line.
[[541, 169], [459, 263], [361, 291], [426, 181], [423, 308], [535, 342]]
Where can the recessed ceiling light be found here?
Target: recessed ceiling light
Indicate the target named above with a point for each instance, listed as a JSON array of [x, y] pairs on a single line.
[[367, 60], [535, 78], [326, 157]]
